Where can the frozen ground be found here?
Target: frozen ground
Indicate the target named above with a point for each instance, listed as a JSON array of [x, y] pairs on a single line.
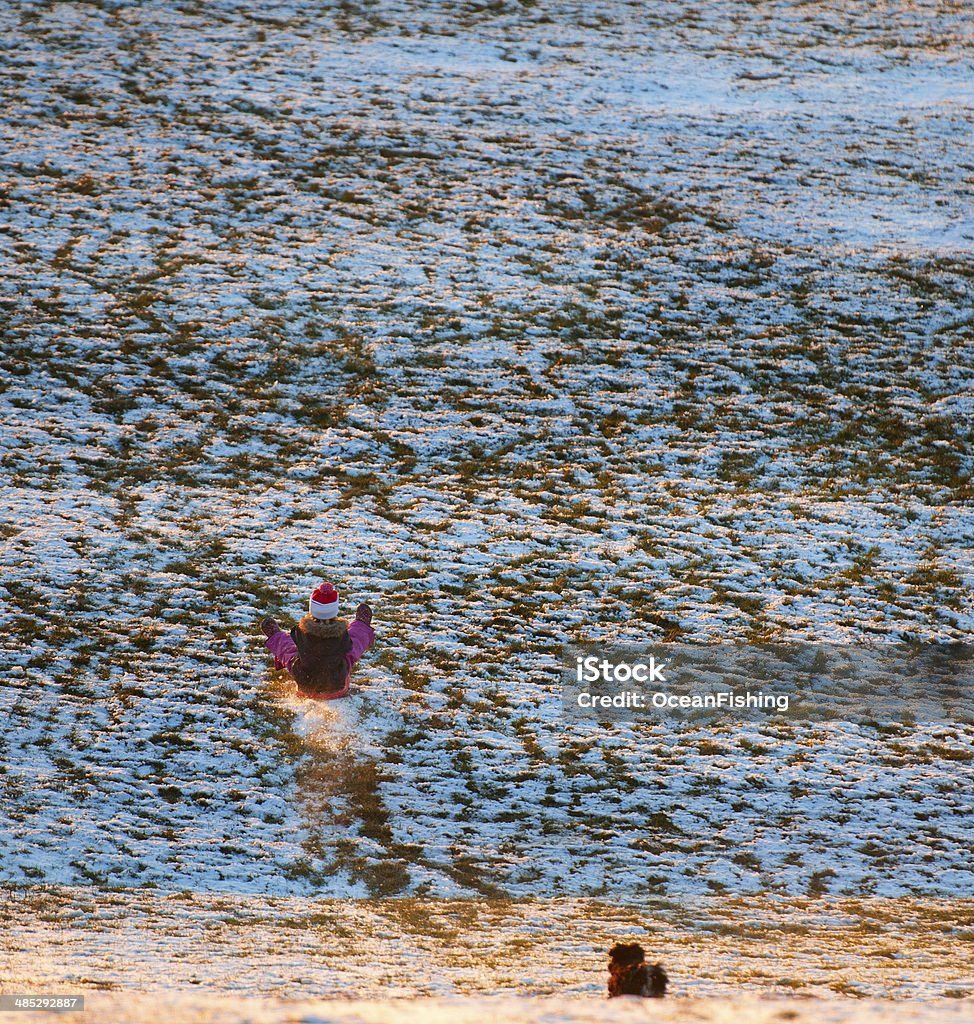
[[180, 945], [532, 325]]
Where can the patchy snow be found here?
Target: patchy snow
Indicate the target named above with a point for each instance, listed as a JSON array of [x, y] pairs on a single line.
[[171, 944], [532, 325]]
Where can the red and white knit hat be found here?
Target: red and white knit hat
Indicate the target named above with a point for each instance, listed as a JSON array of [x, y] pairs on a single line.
[[324, 602]]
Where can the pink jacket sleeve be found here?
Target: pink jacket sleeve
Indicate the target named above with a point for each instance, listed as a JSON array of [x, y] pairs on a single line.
[[361, 637]]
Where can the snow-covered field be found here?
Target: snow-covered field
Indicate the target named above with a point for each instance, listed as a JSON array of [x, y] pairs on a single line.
[[533, 324], [301, 947]]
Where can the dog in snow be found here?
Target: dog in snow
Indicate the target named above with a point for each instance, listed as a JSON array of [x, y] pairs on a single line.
[[630, 975]]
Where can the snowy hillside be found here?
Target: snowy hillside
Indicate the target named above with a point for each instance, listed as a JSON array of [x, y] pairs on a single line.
[[530, 329], [532, 325]]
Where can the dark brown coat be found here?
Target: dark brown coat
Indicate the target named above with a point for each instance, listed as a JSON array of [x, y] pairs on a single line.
[[320, 666]]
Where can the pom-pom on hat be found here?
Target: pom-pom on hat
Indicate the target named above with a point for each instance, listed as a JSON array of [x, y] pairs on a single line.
[[324, 602]]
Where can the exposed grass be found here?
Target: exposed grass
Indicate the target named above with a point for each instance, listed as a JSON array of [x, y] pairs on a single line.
[[519, 386]]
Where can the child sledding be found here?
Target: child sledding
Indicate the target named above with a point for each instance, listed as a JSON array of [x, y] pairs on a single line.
[[322, 648]]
